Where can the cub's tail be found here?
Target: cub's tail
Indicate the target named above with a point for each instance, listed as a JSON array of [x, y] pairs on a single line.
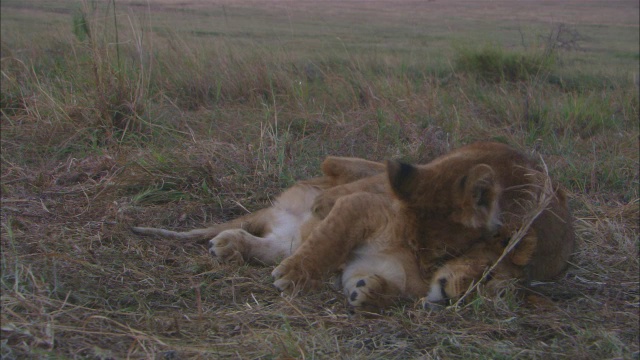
[[196, 235], [253, 223]]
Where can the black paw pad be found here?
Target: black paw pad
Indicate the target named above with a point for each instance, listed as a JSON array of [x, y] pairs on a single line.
[[361, 283]]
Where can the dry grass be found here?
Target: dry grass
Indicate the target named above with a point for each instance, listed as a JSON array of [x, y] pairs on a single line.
[[211, 110]]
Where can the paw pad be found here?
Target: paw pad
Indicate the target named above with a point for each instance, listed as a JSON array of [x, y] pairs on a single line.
[[369, 292], [227, 247]]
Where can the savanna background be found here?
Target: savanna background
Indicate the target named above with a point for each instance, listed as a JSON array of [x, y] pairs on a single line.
[[182, 114]]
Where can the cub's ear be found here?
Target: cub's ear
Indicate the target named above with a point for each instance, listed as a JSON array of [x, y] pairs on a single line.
[[403, 179], [480, 192]]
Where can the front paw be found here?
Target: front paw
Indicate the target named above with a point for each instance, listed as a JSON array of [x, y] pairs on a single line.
[[437, 298], [291, 277], [228, 247]]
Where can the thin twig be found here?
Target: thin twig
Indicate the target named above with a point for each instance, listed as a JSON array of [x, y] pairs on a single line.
[[544, 198]]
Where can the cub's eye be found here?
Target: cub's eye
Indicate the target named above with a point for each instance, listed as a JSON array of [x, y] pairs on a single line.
[[481, 195], [463, 182]]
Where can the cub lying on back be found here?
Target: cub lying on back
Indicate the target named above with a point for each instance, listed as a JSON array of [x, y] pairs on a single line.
[[271, 234], [402, 230]]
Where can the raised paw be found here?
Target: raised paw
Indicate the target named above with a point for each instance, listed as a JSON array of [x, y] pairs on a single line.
[[368, 292], [290, 276], [453, 279], [228, 247]]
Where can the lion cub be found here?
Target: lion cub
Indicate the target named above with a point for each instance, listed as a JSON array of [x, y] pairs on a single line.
[[271, 234]]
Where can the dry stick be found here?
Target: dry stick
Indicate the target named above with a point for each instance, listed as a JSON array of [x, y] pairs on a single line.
[[543, 201]]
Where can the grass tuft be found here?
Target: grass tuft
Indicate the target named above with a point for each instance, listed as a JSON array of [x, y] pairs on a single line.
[[494, 64]]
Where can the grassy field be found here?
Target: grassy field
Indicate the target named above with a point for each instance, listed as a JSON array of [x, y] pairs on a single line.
[[182, 114]]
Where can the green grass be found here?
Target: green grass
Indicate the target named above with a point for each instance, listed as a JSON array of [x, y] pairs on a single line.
[[493, 64], [202, 111]]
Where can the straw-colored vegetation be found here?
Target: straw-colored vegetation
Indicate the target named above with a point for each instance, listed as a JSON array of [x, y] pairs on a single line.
[[177, 115]]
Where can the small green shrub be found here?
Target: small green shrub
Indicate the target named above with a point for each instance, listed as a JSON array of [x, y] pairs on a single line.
[[493, 64]]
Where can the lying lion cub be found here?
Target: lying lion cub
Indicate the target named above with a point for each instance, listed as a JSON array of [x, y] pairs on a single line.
[[269, 235], [402, 230]]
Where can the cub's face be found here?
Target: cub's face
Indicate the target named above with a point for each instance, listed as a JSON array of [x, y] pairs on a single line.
[[455, 203], [452, 195]]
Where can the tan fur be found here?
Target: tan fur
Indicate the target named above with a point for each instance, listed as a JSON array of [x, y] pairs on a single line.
[[543, 252], [269, 235], [459, 210], [399, 230]]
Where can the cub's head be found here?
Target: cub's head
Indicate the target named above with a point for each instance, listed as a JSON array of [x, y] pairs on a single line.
[[457, 192]]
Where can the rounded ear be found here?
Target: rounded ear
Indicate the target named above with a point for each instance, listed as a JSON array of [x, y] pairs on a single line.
[[480, 193], [403, 178]]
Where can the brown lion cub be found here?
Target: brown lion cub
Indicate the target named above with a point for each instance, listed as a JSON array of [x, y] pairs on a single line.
[[402, 230], [460, 210]]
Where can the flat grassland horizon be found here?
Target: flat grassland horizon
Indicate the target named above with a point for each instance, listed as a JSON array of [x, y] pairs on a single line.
[[180, 114]]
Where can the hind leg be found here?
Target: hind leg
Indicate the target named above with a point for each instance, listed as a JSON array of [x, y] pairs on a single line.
[[347, 176], [343, 170], [237, 246]]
